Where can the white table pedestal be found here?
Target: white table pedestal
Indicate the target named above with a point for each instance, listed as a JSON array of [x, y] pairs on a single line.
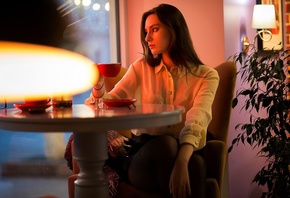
[[91, 152]]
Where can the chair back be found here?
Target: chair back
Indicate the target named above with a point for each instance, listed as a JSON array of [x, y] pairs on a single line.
[[221, 108]]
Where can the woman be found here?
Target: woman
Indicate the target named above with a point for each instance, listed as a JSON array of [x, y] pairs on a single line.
[[170, 72]]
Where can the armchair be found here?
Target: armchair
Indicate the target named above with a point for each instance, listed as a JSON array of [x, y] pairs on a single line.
[[215, 152]]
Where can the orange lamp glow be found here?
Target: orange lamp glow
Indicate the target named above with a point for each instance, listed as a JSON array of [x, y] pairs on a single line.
[[36, 71]]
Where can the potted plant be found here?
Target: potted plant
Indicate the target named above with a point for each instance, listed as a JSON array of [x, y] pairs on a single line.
[[267, 91]]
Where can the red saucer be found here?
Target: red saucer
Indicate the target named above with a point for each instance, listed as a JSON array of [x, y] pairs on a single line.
[[119, 102], [34, 107]]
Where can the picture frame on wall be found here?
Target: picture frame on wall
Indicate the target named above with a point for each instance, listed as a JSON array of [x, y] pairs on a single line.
[[277, 41]]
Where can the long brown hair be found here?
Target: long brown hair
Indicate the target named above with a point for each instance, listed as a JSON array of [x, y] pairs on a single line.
[[181, 49]]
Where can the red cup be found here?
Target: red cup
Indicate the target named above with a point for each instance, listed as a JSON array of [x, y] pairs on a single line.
[[109, 69], [37, 101]]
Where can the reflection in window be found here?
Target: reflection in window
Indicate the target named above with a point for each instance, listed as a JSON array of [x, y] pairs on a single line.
[[90, 29]]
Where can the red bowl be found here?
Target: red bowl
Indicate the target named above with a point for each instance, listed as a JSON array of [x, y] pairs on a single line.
[[109, 69]]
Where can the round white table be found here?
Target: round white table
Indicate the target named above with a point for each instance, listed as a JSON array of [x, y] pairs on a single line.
[[89, 126]]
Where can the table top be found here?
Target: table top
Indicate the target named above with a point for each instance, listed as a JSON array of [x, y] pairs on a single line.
[[87, 118]]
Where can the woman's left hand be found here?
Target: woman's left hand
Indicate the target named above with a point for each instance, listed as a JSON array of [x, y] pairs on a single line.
[[179, 184]]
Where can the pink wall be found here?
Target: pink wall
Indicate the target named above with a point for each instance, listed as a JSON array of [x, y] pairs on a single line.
[[204, 18]]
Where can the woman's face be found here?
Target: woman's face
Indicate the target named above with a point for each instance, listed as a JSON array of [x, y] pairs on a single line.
[[158, 36]]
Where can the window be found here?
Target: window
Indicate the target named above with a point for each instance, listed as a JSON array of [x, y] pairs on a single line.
[[93, 32], [92, 28]]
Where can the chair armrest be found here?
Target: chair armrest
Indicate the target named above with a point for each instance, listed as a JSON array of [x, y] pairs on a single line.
[[215, 155], [212, 188]]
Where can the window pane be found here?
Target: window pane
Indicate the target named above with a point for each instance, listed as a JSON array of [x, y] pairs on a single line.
[[92, 29], [92, 32]]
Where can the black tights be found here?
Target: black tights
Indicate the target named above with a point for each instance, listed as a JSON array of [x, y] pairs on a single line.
[[151, 166]]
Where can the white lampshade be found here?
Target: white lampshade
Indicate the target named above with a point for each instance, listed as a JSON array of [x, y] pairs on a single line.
[[36, 71], [264, 16]]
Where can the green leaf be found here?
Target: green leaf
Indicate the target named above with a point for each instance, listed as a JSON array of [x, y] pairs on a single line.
[[246, 92], [234, 102], [230, 148], [249, 129], [249, 140], [266, 101], [270, 84]]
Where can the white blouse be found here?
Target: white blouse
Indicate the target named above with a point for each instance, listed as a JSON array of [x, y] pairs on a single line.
[[157, 85]]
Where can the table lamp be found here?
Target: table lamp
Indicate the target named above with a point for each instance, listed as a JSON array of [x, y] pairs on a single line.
[[263, 19], [35, 71]]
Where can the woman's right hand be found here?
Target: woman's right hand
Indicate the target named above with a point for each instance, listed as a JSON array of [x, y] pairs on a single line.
[[98, 89], [100, 81]]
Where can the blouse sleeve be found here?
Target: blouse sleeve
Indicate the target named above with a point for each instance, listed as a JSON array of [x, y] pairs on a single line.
[[199, 115], [126, 87]]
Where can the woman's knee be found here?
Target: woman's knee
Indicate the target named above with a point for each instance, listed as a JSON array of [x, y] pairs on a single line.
[[164, 145]]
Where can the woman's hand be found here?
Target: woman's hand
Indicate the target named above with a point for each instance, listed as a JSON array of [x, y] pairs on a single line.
[[179, 184], [100, 81], [179, 181], [98, 89]]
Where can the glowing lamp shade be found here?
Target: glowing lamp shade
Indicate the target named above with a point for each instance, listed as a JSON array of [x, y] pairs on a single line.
[[264, 16], [36, 71]]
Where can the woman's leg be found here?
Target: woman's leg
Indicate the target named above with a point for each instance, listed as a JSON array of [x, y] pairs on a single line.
[[151, 167], [197, 175]]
